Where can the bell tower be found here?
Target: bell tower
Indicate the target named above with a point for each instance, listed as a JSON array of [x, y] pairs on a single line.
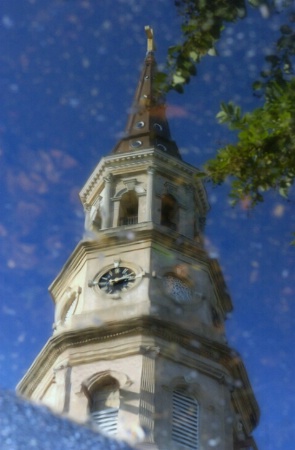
[[139, 346]]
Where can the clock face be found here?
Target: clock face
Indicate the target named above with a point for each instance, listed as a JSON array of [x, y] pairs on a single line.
[[177, 289], [117, 279]]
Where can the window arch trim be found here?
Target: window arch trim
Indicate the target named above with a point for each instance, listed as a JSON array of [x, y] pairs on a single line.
[[103, 392], [91, 384], [128, 209]]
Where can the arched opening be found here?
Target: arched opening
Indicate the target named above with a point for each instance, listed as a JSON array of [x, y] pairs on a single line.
[[169, 211], [128, 213], [185, 419], [104, 405]]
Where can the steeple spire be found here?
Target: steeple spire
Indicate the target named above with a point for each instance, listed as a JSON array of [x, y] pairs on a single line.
[[150, 38], [147, 125]]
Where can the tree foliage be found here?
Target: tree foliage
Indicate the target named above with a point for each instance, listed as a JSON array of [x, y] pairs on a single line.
[[202, 25], [263, 157]]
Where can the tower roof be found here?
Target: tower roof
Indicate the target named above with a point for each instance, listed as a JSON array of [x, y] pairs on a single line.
[[147, 124]]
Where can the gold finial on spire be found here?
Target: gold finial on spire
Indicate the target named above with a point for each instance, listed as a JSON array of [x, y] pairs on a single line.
[[150, 38]]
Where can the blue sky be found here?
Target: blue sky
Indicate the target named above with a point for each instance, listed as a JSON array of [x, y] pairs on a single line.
[[68, 71]]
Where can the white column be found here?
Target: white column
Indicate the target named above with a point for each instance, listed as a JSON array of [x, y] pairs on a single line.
[[150, 194], [107, 202], [60, 400]]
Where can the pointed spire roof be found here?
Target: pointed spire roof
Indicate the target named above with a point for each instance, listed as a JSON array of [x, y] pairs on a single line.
[[147, 125]]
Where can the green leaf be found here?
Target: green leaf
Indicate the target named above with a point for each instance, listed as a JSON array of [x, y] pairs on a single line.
[[284, 192], [174, 49], [178, 88], [212, 52], [255, 3], [285, 29], [257, 85], [273, 59], [222, 117], [160, 77], [178, 79], [194, 56]]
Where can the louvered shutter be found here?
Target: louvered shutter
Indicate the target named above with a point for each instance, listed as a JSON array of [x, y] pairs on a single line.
[[185, 420], [104, 410], [106, 420]]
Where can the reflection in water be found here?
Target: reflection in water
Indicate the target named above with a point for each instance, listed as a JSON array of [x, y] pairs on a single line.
[[68, 72]]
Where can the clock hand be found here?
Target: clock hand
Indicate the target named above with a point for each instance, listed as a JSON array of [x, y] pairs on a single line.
[[92, 283], [125, 277], [116, 280]]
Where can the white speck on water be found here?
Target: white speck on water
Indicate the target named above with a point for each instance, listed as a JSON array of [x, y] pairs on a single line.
[[14, 87], [8, 311], [7, 22], [74, 102], [214, 442]]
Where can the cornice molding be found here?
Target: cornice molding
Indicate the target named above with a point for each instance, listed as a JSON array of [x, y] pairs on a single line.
[[219, 354], [220, 286], [146, 158]]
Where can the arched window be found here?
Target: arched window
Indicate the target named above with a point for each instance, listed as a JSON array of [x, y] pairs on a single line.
[[185, 419], [169, 211], [104, 405], [128, 213]]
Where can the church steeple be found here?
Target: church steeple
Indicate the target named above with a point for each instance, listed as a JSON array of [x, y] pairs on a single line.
[[139, 342], [147, 125]]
